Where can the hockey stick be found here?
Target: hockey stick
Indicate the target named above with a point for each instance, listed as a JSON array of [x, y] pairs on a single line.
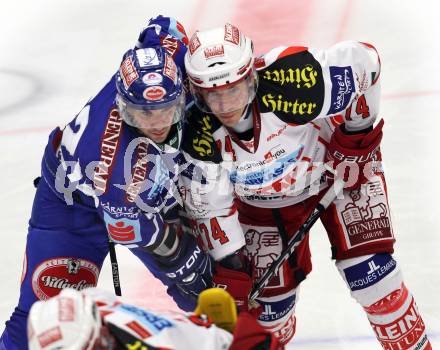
[[115, 267], [298, 237]]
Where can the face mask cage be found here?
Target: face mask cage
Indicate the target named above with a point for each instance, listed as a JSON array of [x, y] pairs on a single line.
[[156, 116], [227, 98]]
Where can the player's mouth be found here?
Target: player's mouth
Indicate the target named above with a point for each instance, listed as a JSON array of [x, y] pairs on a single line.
[[159, 133], [228, 116]]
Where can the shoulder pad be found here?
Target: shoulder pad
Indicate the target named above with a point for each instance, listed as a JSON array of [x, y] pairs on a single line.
[[292, 87], [198, 139]]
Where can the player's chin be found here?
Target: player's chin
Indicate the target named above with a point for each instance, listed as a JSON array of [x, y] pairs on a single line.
[[157, 136], [229, 119], [159, 139]]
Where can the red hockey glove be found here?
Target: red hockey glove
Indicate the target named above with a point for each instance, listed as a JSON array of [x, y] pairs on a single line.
[[249, 334], [237, 283], [354, 157]]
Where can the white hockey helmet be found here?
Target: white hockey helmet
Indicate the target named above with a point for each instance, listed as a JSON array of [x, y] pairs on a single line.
[[68, 321], [218, 59]]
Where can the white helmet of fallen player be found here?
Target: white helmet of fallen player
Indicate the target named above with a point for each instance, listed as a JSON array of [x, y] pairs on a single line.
[[69, 321], [220, 67]]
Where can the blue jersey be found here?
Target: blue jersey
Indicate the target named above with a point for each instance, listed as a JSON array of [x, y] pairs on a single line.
[[101, 163], [102, 180]]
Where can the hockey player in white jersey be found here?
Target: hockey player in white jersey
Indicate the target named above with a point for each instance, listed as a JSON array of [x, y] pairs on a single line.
[[94, 319], [263, 128]]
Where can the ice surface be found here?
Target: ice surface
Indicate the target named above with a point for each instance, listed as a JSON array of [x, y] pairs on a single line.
[[57, 54]]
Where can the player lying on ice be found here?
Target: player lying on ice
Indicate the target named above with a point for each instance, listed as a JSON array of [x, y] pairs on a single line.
[[110, 175], [93, 319], [265, 127]]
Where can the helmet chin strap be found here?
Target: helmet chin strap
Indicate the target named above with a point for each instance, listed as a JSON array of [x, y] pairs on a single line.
[[173, 140], [245, 123]]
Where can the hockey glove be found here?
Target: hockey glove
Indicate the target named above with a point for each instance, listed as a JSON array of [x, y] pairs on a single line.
[[354, 157], [189, 268], [238, 284], [161, 30], [249, 334]]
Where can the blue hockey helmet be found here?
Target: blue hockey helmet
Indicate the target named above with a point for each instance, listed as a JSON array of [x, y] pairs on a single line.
[[150, 90]]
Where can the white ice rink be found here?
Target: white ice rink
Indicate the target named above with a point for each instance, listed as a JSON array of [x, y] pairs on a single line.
[[55, 54]]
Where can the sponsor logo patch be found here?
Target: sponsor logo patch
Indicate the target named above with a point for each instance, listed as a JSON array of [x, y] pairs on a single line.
[[188, 264], [276, 133], [154, 93], [274, 153], [203, 142], [194, 43], [259, 62], [284, 331], [407, 332], [268, 172], [232, 34], [365, 222], [170, 69], [147, 57], [214, 51], [374, 189], [109, 145], [123, 230], [153, 323], [50, 336], [292, 88], [362, 82], [58, 273], [390, 303], [370, 271], [123, 211], [66, 309], [138, 329], [218, 77], [273, 311], [342, 88], [139, 172], [263, 248], [152, 78], [128, 72]]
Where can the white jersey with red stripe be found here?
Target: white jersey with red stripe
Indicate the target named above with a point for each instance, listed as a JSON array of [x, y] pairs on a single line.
[[96, 319], [302, 94], [138, 328]]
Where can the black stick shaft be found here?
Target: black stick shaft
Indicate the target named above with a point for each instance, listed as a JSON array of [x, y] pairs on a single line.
[[115, 268], [297, 238]]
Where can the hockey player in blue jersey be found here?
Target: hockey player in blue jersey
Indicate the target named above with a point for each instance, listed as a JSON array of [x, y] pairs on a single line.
[[109, 177]]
